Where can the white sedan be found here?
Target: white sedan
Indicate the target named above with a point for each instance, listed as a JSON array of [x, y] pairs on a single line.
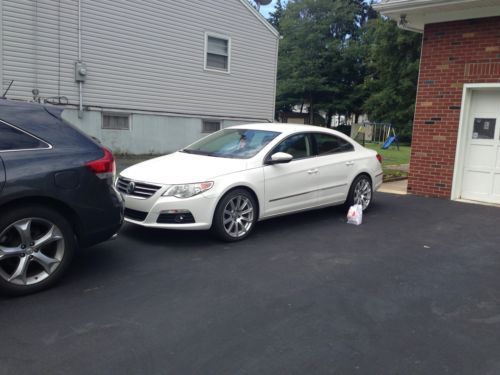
[[237, 176]]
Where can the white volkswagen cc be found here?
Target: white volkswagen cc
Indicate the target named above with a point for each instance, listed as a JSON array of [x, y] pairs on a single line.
[[237, 176]]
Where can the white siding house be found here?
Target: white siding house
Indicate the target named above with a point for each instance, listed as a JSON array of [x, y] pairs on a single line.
[[159, 73]]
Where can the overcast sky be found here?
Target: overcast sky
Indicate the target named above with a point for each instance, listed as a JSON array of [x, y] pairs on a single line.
[[268, 8]]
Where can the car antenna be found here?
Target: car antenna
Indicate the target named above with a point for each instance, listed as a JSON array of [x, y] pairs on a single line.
[[8, 88]]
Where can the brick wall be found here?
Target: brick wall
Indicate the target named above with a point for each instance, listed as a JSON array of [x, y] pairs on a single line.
[[453, 53]]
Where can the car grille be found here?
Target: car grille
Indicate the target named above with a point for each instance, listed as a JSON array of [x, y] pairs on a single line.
[[135, 215], [177, 218], [140, 189]]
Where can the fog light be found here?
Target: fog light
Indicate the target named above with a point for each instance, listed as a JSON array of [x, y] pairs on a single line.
[[175, 217]]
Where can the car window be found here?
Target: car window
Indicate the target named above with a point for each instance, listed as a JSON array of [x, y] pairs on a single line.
[[12, 138], [297, 145], [329, 144], [232, 143]]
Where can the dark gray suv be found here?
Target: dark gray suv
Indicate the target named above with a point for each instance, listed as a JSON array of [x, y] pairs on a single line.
[[56, 195]]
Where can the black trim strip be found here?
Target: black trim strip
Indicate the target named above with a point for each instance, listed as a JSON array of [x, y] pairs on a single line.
[[307, 192]]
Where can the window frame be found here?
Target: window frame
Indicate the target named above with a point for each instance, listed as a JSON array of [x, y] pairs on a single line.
[[205, 57], [312, 145], [316, 148], [203, 122], [43, 142], [120, 114]]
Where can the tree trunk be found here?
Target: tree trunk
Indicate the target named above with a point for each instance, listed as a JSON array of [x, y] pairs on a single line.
[[311, 111], [329, 117]]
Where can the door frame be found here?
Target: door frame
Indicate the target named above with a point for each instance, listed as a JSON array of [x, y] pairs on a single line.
[[462, 137]]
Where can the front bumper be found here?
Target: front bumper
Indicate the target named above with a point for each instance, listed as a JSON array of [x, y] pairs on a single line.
[[201, 207]]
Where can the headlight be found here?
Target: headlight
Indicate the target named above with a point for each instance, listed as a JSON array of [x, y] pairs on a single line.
[[188, 190]]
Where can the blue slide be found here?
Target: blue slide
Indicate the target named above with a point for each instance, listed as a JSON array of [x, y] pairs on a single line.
[[389, 142]]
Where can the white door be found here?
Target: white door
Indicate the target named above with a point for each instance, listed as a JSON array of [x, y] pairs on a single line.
[[292, 186], [481, 176]]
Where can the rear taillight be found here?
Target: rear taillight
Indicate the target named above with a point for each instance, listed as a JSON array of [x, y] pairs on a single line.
[[379, 158], [104, 167]]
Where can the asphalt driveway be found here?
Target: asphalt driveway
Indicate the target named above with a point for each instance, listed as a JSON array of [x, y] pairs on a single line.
[[414, 290]]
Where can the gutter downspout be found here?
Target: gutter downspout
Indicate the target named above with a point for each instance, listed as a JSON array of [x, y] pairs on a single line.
[[80, 84]]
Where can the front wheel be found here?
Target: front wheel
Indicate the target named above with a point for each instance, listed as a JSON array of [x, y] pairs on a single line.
[[235, 216], [361, 192], [36, 247]]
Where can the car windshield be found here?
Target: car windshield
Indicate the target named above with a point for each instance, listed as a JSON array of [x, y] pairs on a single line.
[[232, 143]]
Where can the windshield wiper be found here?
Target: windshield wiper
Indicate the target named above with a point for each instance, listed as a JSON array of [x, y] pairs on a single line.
[[196, 152]]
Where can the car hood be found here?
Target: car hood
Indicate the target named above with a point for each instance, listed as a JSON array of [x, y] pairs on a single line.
[[180, 168]]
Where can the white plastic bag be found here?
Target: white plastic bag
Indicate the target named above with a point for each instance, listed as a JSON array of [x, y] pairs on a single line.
[[355, 215]]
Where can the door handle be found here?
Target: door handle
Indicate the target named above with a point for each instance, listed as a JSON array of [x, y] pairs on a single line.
[[349, 163], [312, 171]]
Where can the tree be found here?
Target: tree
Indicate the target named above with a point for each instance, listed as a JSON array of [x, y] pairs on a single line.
[[275, 17], [340, 57], [319, 63], [392, 63]]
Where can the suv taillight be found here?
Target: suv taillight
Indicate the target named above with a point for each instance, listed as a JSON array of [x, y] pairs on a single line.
[[104, 167], [379, 158]]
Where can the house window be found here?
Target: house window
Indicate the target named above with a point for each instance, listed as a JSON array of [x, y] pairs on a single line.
[[210, 126], [218, 51], [116, 121], [484, 128]]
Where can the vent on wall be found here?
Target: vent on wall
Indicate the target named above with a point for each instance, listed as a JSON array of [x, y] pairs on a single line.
[[210, 126], [116, 121]]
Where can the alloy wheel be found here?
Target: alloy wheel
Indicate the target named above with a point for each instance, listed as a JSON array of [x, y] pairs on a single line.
[[363, 193], [238, 216], [31, 250]]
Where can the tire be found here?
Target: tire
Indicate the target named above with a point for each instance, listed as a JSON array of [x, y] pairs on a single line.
[[361, 192], [37, 245], [235, 216]]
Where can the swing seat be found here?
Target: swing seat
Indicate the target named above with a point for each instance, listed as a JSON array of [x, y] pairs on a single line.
[[389, 142]]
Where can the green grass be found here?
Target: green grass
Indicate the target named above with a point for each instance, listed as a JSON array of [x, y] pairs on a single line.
[[392, 156]]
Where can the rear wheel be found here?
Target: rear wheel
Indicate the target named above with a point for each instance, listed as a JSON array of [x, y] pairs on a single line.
[[235, 216], [361, 192], [36, 247]]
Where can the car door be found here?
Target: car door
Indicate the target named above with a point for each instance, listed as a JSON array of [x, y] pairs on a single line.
[[291, 186], [336, 162]]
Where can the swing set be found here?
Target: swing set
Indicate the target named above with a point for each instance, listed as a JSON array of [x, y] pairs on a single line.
[[381, 133], [386, 134]]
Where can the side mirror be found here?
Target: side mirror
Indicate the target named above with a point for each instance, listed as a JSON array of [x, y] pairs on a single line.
[[279, 158]]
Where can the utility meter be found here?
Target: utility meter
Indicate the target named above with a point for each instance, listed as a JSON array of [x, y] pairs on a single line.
[[80, 71]]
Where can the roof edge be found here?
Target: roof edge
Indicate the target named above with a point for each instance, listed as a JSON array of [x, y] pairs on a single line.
[[413, 15], [408, 5], [261, 18]]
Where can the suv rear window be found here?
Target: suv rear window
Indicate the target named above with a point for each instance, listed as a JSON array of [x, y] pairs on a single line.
[[12, 139]]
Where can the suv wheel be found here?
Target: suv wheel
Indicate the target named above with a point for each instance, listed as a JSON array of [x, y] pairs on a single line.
[[36, 246]]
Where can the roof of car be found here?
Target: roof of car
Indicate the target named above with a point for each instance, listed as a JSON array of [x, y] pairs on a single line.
[[282, 127], [42, 121]]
